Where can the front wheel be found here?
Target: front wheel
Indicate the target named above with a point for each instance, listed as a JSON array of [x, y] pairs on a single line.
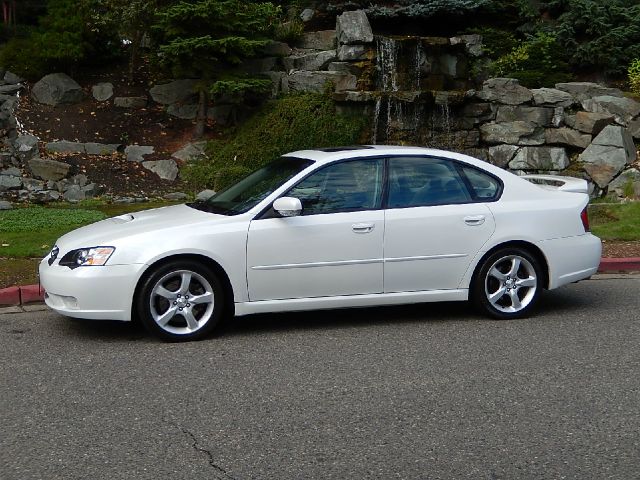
[[181, 301], [508, 284]]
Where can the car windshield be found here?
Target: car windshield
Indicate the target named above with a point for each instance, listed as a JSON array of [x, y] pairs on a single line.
[[254, 188]]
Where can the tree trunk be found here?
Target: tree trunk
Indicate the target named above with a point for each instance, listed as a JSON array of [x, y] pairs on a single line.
[[201, 117]]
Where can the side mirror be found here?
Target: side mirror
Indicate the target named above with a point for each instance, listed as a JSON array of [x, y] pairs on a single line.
[[288, 206]]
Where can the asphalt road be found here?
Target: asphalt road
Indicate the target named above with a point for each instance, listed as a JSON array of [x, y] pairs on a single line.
[[429, 391]]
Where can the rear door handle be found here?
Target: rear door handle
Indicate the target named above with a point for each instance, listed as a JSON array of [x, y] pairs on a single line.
[[474, 220], [362, 227]]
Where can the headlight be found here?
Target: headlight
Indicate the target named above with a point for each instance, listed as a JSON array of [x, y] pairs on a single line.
[[83, 257]]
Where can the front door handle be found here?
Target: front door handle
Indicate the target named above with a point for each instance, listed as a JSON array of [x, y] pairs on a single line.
[[474, 220], [362, 227]]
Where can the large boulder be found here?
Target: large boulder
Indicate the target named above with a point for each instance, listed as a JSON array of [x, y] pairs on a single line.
[[165, 169], [501, 155], [317, 81], [355, 52], [353, 27], [57, 88], [540, 158], [321, 40], [190, 151], [136, 153], [174, 92], [187, 111], [512, 133], [26, 146], [277, 49], [624, 109], [10, 182], [48, 169], [582, 90], [608, 154], [627, 184], [540, 116], [592, 122], [64, 146], [504, 90], [309, 61], [567, 136], [634, 128], [102, 91], [552, 96]]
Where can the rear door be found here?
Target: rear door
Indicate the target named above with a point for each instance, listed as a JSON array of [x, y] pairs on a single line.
[[435, 222]]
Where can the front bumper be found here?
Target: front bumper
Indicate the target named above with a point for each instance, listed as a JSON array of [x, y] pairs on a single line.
[[98, 293]]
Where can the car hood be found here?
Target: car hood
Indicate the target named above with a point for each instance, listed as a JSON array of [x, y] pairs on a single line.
[[147, 222]]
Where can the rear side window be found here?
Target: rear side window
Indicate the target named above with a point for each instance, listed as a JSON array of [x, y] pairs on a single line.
[[485, 188], [422, 181]]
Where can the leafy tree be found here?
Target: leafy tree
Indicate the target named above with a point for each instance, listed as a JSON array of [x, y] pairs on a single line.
[[206, 38]]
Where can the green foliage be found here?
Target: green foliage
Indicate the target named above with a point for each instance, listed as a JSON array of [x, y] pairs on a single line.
[[597, 34], [237, 86], [634, 76], [537, 62], [64, 40], [291, 123], [495, 42], [289, 32]]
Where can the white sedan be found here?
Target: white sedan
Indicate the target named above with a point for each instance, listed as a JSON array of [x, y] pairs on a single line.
[[333, 228]]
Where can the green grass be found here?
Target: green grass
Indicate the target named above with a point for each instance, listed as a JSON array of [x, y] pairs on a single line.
[[616, 222]]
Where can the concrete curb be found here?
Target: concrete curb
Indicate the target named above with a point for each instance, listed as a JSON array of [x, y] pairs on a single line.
[[30, 294]]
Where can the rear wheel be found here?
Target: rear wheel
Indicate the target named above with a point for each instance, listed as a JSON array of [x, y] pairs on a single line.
[[508, 284], [181, 301]]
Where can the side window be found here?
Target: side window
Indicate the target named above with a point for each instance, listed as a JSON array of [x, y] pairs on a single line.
[[421, 181], [485, 187], [341, 187]]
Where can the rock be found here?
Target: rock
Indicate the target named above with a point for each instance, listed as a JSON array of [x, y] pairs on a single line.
[[355, 52], [567, 136], [627, 184], [277, 49], [582, 90], [10, 89], [608, 154], [190, 152], [221, 114], [472, 43], [309, 61], [501, 155], [540, 158], [136, 153], [26, 146], [356, 96], [205, 195], [592, 123], [79, 179], [342, 67], [74, 193], [46, 169], [504, 90], [552, 96], [558, 117], [176, 91], [91, 190], [33, 185], [13, 171], [130, 102], [540, 116], [12, 78], [186, 112], [63, 146], [44, 196], [9, 182], [624, 109], [57, 88], [513, 133], [353, 27], [258, 65], [321, 40], [62, 185], [102, 91], [4, 205], [124, 200], [276, 78], [92, 148], [634, 129], [307, 14], [179, 196], [318, 81], [165, 169]]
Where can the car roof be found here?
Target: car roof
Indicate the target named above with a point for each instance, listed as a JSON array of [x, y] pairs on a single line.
[[326, 155]]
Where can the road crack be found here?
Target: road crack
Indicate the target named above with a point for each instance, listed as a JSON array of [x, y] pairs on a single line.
[[196, 446]]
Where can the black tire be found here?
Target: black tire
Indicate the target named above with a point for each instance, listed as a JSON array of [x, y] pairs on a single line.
[[507, 284], [181, 301]]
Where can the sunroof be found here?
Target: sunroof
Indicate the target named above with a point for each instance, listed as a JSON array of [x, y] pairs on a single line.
[[342, 149]]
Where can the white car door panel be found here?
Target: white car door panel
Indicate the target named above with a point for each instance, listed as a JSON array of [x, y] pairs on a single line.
[[315, 256], [429, 248]]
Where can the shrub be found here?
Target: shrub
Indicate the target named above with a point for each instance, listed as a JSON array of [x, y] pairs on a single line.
[[284, 125], [634, 76], [537, 62]]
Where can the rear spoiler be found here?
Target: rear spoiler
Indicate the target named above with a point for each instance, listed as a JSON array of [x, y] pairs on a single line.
[[556, 182]]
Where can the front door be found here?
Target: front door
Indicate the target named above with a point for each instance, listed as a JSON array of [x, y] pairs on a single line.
[[333, 248]]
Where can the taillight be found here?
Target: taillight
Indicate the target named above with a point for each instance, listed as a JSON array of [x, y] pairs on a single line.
[[584, 216]]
